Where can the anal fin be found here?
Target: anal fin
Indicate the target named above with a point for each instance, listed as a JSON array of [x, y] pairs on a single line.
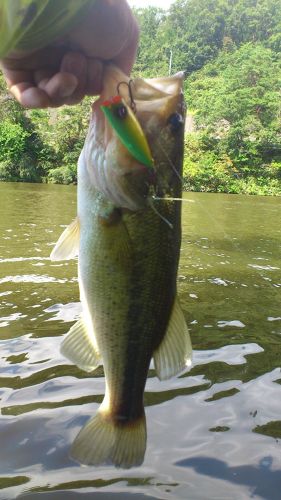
[[78, 346], [175, 351]]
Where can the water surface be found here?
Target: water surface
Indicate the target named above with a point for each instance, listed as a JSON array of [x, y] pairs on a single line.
[[212, 433]]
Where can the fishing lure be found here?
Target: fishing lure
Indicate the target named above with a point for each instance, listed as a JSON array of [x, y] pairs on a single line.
[[128, 129]]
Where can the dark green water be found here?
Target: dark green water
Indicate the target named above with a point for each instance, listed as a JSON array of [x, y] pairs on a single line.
[[214, 433]]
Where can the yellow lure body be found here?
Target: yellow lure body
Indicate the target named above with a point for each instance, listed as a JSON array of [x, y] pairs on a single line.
[[127, 127]]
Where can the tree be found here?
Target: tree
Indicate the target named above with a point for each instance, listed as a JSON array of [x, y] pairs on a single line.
[[237, 103], [153, 50], [195, 30]]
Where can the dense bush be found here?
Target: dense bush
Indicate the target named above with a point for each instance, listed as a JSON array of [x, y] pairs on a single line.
[[63, 175], [238, 136], [13, 143]]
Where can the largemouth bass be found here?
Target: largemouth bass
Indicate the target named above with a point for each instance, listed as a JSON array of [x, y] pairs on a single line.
[[129, 237]]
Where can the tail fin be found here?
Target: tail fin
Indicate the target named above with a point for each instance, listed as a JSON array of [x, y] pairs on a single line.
[[104, 441]]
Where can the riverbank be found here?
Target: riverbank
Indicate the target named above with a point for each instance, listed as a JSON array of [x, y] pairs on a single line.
[[192, 183]]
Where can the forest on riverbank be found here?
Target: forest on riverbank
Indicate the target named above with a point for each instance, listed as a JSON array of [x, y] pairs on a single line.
[[230, 51]]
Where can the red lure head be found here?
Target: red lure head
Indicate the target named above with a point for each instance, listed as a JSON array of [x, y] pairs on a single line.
[[113, 100]]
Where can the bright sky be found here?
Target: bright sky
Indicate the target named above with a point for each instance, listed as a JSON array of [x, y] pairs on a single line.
[[164, 4]]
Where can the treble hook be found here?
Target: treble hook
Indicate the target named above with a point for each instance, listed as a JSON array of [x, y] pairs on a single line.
[[132, 101]]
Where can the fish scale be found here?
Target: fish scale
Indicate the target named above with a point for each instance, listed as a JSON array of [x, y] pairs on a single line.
[[129, 248]]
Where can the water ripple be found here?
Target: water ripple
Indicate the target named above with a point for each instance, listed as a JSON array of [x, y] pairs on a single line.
[[32, 278], [226, 409], [22, 259]]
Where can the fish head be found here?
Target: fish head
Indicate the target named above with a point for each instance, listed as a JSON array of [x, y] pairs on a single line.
[[149, 160], [161, 113]]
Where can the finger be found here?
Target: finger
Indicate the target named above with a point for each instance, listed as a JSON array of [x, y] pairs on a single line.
[[51, 90], [14, 77], [89, 73], [50, 57], [42, 74], [75, 63], [94, 77], [29, 96], [59, 88], [21, 86], [106, 30], [93, 83]]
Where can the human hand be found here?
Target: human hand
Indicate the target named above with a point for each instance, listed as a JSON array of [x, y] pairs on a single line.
[[66, 71]]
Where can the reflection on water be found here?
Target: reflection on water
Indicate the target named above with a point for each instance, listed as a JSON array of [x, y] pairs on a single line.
[[262, 481], [212, 433]]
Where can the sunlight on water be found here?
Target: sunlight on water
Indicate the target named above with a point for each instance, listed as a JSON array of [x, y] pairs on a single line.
[[213, 432]]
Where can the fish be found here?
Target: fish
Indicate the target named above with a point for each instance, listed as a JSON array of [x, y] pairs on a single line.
[[127, 235]]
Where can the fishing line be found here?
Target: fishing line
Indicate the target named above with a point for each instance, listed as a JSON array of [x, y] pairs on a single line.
[[150, 202], [170, 161], [168, 198]]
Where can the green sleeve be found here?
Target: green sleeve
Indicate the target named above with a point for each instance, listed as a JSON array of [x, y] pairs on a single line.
[[30, 24]]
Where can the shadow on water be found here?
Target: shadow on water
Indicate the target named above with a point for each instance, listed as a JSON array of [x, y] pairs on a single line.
[[261, 479]]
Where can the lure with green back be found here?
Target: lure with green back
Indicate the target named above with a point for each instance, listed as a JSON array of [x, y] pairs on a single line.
[[128, 129]]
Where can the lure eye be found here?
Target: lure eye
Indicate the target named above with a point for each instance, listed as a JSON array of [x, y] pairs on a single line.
[[176, 122], [121, 112]]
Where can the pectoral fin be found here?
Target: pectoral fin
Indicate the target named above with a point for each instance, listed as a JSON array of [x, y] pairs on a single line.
[[122, 249], [68, 243], [79, 347], [118, 238], [175, 351]]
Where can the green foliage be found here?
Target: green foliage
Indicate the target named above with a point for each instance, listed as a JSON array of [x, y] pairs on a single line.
[[253, 20], [153, 53], [196, 30], [63, 175], [236, 100], [205, 171], [7, 172], [62, 133], [12, 141], [230, 50]]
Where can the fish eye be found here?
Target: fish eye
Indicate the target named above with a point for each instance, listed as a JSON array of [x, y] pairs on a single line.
[[121, 112], [176, 122]]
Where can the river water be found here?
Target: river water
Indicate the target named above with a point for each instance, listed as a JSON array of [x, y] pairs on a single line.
[[213, 433]]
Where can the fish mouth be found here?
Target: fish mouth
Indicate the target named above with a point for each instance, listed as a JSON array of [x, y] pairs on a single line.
[[112, 169]]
